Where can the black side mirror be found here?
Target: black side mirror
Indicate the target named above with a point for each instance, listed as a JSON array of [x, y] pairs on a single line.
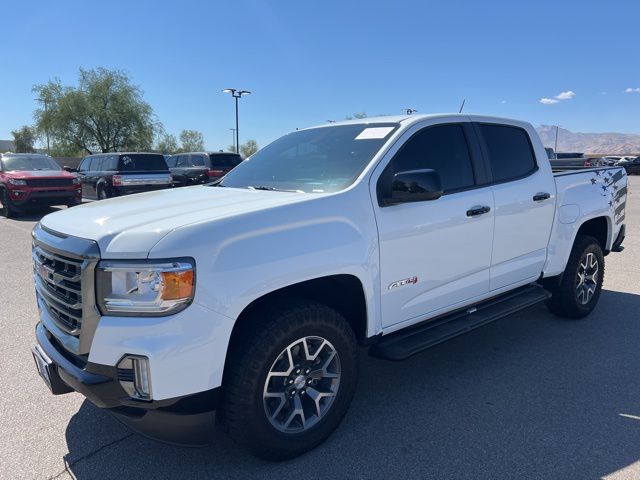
[[414, 186], [69, 169]]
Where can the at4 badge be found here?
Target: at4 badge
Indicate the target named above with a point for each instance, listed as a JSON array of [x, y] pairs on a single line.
[[401, 283]]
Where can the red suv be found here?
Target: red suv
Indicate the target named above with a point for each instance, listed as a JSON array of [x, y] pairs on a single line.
[[34, 180]]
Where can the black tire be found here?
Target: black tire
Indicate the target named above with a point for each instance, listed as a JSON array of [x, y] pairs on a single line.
[[568, 300], [73, 203], [6, 208], [102, 193], [244, 410]]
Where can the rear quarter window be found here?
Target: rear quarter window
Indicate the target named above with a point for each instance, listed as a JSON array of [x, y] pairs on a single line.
[[141, 162], [510, 152], [225, 161]]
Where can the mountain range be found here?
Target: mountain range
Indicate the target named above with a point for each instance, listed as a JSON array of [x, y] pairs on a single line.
[[590, 143]]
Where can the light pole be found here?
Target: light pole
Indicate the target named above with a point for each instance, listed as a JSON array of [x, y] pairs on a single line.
[[233, 138], [46, 110], [236, 94]]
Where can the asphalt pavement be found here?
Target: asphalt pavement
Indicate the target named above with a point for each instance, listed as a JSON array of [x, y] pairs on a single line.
[[529, 396]]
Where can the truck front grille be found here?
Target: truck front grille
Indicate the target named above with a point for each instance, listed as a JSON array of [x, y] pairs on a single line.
[[57, 280], [49, 182]]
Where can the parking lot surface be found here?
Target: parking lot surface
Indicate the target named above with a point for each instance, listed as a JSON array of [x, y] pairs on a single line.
[[529, 396]]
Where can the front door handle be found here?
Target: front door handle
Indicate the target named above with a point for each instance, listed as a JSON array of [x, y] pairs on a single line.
[[475, 211], [538, 197]]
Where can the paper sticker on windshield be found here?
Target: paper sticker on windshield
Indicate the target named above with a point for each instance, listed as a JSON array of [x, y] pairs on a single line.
[[374, 132]]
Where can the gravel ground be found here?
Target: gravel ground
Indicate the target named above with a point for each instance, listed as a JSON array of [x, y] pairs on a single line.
[[530, 396]]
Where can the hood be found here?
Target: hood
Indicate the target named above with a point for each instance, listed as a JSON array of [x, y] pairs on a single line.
[[40, 174], [129, 226]]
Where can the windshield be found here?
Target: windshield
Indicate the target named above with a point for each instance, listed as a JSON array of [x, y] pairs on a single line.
[[326, 159], [29, 162]]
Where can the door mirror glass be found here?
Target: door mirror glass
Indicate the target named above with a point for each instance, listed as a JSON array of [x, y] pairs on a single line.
[[414, 186]]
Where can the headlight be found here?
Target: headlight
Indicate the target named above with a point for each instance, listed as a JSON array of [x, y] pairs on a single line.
[[16, 181], [152, 288]]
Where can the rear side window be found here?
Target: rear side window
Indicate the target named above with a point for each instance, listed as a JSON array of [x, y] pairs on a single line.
[[510, 152], [197, 160], [141, 162], [110, 163], [225, 161], [441, 148]]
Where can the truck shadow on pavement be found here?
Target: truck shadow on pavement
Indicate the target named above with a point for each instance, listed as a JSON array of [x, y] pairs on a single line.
[[530, 396]]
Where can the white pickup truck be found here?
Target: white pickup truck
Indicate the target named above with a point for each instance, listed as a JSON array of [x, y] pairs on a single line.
[[249, 297]]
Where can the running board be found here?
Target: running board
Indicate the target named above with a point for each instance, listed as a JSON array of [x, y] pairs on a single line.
[[407, 342]]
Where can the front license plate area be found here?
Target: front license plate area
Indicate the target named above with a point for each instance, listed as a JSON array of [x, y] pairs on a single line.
[[48, 371]]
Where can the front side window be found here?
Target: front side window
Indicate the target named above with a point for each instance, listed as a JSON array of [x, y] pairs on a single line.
[[442, 148], [317, 160], [510, 152], [171, 161]]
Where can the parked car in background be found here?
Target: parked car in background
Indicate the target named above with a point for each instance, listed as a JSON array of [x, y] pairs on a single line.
[[609, 161], [625, 159], [30, 180], [109, 175], [633, 166], [192, 168]]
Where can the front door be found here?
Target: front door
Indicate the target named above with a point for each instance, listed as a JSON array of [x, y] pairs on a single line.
[[435, 255]]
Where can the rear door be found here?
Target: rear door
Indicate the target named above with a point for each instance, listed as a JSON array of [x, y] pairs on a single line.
[[524, 194], [435, 255], [82, 175]]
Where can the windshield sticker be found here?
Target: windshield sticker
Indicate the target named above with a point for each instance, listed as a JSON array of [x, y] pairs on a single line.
[[374, 132]]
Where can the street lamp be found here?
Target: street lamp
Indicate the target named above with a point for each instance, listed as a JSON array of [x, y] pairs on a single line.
[[233, 138], [236, 94]]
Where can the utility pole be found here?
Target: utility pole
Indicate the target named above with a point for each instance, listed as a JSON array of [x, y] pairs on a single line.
[[237, 94]]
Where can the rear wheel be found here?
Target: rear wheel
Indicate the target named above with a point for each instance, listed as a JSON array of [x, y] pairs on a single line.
[[577, 293], [290, 380], [102, 193], [6, 208]]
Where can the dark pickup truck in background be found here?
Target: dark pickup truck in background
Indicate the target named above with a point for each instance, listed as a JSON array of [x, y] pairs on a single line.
[[195, 168], [109, 175]]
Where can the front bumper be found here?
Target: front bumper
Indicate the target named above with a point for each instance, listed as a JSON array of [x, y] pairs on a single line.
[[186, 420], [24, 198]]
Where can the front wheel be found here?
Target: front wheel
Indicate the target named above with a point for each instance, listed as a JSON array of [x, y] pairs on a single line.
[[577, 293], [6, 208], [289, 380]]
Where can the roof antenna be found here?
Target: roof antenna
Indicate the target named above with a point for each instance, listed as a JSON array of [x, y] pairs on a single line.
[[462, 106]]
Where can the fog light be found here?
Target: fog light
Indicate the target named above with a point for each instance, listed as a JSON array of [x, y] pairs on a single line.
[[134, 376]]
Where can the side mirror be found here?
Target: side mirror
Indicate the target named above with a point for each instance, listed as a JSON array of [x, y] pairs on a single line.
[[69, 169], [414, 186]]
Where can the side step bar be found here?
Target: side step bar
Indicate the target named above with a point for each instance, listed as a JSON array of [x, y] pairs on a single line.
[[407, 342]]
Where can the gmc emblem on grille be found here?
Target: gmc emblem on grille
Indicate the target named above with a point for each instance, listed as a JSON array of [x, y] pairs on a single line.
[[46, 273]]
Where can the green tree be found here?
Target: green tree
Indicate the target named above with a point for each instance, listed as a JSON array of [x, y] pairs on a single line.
[[105, 112], [167, 144], [191, 141], [231, 148], [23, 139], [248, 148]]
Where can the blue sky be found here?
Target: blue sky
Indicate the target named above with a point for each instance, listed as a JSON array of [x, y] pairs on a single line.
[[307, 62]]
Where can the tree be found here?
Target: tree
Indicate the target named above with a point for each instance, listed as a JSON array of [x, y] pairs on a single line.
[[231, 148], [23, 139], [248, 148], [167, 144], [191, 141], [104, 113]]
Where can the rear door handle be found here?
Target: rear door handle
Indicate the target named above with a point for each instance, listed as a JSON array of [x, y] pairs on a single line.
[[538, 197], [475, 211]]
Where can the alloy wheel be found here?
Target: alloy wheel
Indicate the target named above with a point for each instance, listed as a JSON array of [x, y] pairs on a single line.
[[587, 281], [302, 384]]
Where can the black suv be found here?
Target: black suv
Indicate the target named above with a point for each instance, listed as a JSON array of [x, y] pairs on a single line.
[[632, 166], [200, 167], [108, 175]]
